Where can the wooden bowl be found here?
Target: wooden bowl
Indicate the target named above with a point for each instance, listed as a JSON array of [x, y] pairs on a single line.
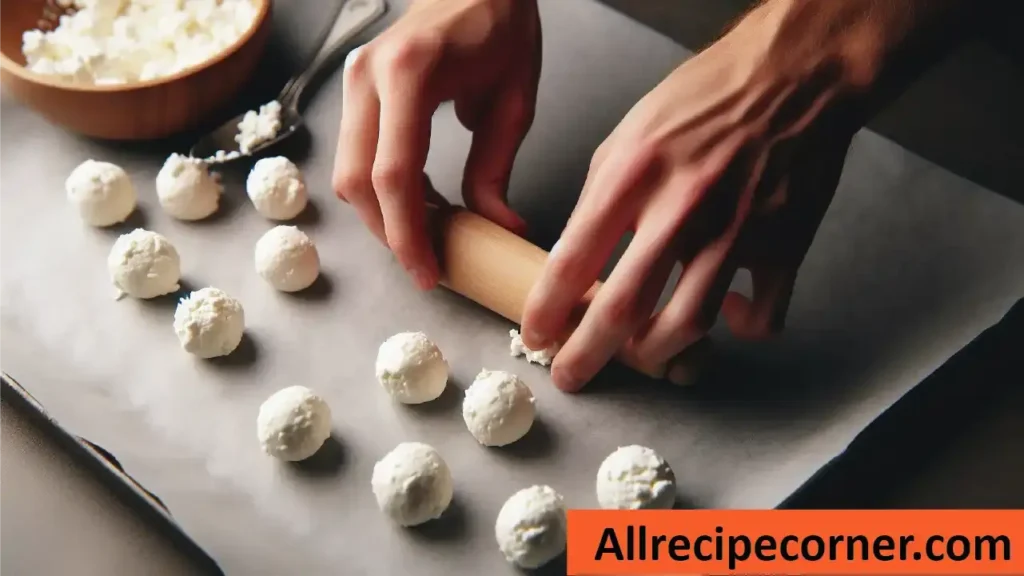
[[136, 111]]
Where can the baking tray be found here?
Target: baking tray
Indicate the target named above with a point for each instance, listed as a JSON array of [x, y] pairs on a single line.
[[126, 505], [901, 276]]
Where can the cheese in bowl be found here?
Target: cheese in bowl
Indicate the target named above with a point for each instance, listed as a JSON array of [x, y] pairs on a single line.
[[115, 42]]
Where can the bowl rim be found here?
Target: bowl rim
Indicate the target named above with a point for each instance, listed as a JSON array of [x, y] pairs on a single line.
[[9, 65]]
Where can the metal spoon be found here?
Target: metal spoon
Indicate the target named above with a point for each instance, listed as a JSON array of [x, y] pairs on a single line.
[[219, 146]]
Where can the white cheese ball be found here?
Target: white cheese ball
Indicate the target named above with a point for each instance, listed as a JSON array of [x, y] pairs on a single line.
[[498, 408], [144, 264], [209, 323], [633, 478], [287, 259], [102, 193], [531, 527], [276, 188], [186, 188], [293, 423], [411, 368], [412, 484]]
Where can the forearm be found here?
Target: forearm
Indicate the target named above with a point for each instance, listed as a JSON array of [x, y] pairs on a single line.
[[864, 52]]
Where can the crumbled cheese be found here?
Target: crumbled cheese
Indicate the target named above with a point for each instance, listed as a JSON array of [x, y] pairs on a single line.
[[222, 156], [107, 42], [255, 128], [259, 126], [517, 348]]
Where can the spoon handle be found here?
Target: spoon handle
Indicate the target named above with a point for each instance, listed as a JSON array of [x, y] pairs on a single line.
[[353, 17]]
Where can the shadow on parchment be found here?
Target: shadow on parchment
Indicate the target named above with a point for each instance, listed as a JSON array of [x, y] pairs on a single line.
[[295, 147], [448, 403], [310, 216], [452, 526], [137, 219], [327, 462], [170, 301], [319, 291], [556, 567], [684, 503], [228, 204], [245, 356], [539, 442]]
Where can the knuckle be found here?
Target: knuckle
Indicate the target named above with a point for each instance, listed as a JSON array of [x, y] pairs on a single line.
[[408, 55], [645, 150], [346, 182], [389, 177], [564, 268], [619, 311], [599, 156], [636, 153], [700, 323], [357, 65], [595, 164]]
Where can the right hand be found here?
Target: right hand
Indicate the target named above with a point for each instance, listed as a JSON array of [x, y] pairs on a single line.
[[482, 54]]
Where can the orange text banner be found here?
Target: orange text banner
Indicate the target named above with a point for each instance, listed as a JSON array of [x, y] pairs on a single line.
[[795, 542]]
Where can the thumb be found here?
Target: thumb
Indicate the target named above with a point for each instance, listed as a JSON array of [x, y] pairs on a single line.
[[765, 314], [497, 135]]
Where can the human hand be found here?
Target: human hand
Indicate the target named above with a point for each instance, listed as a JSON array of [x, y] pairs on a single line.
[[731, 162], [482, 54]]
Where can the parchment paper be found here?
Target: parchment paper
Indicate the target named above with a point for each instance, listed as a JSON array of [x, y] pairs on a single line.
[[909, 265]]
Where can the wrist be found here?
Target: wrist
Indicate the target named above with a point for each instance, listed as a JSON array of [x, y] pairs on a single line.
[[854, 54]]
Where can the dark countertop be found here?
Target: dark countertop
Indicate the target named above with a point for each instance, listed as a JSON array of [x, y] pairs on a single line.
[[965, 115]]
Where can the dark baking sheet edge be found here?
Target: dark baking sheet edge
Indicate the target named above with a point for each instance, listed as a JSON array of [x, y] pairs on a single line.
[[898, 445], [108, 470]]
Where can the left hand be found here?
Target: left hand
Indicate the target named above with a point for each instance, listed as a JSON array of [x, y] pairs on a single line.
[[731, 162]]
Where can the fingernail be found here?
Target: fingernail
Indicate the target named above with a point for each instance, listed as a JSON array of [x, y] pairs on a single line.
[[690, 366], [352, 55], [423, 279], [564, 379], [536, 340], [554, 248], [682, 375], [521, 227]]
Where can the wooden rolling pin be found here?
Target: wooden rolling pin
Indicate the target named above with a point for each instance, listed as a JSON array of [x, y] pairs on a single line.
[[496, 269]]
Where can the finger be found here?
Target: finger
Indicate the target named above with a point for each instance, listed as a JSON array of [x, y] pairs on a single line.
[[468, 111], [398, 168], [691, 310], [583, 250], [433, 197], [496, 141], [357, 144], [765, 314], [621, 306]]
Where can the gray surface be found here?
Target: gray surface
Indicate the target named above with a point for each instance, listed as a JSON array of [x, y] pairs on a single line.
[[910, 264]]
